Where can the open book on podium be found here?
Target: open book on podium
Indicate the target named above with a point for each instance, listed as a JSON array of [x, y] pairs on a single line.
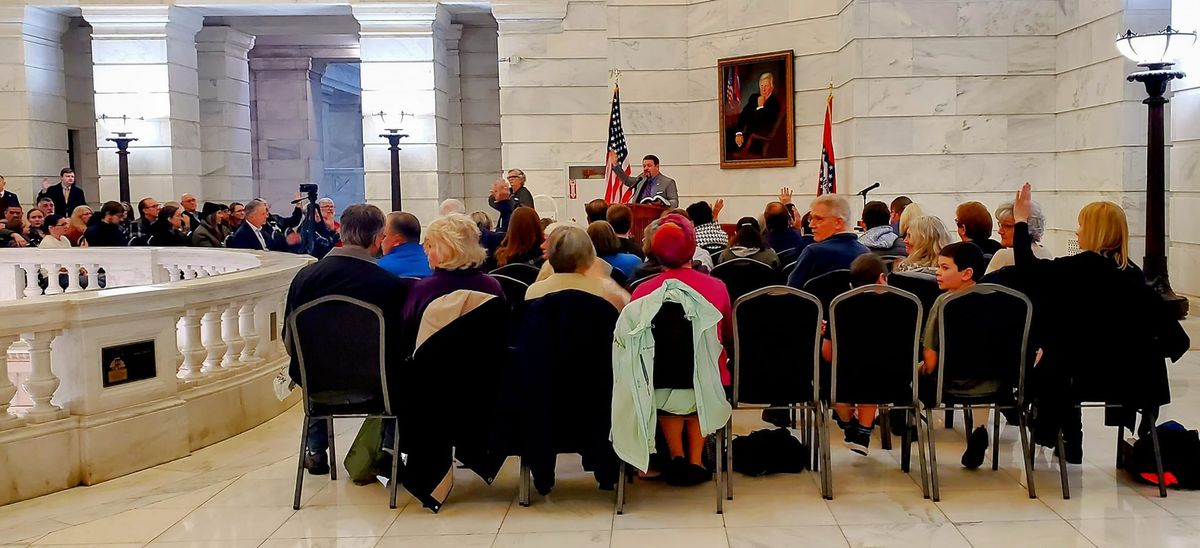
[[643, 215]]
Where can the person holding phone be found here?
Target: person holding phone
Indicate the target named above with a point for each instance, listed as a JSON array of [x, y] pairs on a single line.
[[509, 194]]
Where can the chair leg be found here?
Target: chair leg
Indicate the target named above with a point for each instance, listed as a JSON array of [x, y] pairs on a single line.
[[826, 460], [332, 453], [1062, 466], [885, 427], [300, 462], [523, 487], [924, 431], [1027, 454], [729, 459], [933, 471], [1120, 434], [395, 481], [720, 480], [968, 420], [1158, 465], [906, 440], [792, 415], [949, 418], [621, 489], [995, 438]]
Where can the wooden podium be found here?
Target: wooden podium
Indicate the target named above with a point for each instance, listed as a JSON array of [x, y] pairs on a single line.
[[643, 215]]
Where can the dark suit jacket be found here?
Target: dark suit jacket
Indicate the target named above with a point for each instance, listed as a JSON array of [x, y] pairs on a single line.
[[64, 205], [756, 120], [663, 186], [244, 238], [9, 199]]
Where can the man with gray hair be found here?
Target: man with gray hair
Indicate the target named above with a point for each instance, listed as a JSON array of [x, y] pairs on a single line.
[[348, 271], [836, 245], [256, 234], [570, 253], [451, 205]]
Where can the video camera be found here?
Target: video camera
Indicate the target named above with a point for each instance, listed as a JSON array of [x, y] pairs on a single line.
[[311, 190]]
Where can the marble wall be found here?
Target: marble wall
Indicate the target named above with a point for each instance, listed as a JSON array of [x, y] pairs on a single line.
[[478, 79], [81, 107], [1184, 169]]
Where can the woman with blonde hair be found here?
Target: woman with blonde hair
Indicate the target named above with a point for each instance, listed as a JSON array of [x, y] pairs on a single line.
[[79, 223], [911, 212], [1103, 332], [924, 240]]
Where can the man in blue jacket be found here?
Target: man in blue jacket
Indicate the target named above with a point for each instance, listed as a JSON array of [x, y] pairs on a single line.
[[835, 245], [402, 252]]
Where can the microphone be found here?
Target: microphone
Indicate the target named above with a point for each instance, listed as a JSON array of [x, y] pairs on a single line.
[[864, 191]]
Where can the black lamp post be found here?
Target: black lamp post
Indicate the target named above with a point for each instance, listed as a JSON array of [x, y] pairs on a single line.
[[122, 140], [393, 136], [1157, 53]]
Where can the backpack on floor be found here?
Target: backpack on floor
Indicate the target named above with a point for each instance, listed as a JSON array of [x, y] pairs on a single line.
[[1180, 449], [366, 449], [769, 451]]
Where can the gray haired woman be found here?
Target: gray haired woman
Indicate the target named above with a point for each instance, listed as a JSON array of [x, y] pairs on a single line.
[[1037, 229]]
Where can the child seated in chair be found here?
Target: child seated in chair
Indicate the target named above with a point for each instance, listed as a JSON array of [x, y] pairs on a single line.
[[857, 421], [959, 267]]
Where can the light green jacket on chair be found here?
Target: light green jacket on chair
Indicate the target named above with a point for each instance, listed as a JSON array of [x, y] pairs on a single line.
[[633, 413]]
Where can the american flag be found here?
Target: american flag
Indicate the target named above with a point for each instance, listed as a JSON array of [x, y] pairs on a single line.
[[614, 191], [733, 90], [827, 179]]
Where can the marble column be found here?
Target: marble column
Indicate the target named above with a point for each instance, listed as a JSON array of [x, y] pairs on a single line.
[[403, 54], [287, 123], [225, 142], [33, 104], [1184, 168], [144, 68], [81, 108]]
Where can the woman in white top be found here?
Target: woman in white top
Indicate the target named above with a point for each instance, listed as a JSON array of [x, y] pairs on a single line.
[[1037, 228], [56, 233]]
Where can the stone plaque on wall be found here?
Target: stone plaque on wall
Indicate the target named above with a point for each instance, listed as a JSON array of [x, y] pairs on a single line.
[[127, 363]]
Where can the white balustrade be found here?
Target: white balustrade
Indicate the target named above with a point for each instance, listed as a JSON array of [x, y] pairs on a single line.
[[192, 349], [230, 332], [7, 389], [41, 383], [211, 338], [246, 324]]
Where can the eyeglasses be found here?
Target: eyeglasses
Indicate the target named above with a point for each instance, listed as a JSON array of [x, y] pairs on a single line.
[[515, 176]]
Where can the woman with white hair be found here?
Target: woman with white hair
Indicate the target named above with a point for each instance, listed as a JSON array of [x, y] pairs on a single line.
[[1037, 229], [571, 256]]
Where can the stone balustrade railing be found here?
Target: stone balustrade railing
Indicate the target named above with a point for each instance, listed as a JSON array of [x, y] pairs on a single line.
[[175, 352]]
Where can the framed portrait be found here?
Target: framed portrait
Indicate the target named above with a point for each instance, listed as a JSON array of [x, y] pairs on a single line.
[[755, 100]]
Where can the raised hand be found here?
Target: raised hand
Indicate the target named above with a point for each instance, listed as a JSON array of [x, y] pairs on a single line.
[[785, 195], [1023, 204], [717, 207], [612, 158], [45, 183]]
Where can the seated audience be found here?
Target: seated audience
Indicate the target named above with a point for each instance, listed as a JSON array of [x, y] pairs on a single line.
[[748, 243], [960, 265], [650, 265], [167, 230], [212, 230], [488, 238], [857, 421], [879, 236], [596, 210], [975, 226], [451, 206], [80, 221], [402, 252], [46, 204], [14, 219], [349, 271], [256, 234], [923, 243], [8, 238], [835, 246], [328, 224], [237, 214], [106, 232], [709, 234], [621, 219], [1037, 228], [189, 204], [780, 219], [570, 254], [599, 269], [912, 211], [56, 233], [609, 249], [673, 244], [148, 209], [895, 210], [523, 241], [34, 226]]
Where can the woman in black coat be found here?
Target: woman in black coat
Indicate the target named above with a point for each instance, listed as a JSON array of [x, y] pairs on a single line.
[[164, 231], [1105, 332]]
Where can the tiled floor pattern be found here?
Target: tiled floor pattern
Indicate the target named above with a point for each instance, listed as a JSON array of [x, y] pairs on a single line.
[[238, 494]]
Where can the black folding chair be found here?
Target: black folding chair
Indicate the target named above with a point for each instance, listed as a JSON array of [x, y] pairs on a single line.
[[674, 367], [829, 285], [523, 272], [925, 287], [634, 284], [619, 277], [890, 261], [786, 271], [339, 343], [872, 366], [514, 289], [788, 255], [763, 377], [984, 334], [741, 276]]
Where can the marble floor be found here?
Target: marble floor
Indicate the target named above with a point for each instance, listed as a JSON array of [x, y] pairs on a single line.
[[238, 493]]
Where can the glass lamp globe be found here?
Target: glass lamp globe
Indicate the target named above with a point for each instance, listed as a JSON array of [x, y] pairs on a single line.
[[1165, 47]]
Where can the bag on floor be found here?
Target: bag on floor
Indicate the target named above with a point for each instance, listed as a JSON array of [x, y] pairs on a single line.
[[365, 451], [1180, 449], [769, 451]]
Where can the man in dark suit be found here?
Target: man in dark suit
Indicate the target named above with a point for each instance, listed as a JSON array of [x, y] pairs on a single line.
[[650, 184], [256, 234], [760, 115], [66, 194], [350, 271], [7, 198]]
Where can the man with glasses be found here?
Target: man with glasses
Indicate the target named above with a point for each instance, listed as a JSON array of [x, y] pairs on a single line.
[[508, 196], [148, 209], [836, 245]]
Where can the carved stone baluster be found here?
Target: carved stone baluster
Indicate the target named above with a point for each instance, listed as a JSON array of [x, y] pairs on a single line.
[[32, 289], [199, 270], [52, 284], [191, 347], [41, 383], [93, 277], [73, 278], [211, 338], [246, 320], [189, 272], [231, 333], [7, 389], [280, 349], [263, 350]]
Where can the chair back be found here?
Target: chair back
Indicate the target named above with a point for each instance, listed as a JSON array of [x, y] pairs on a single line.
[[829, 285], [788, 255], [983, 333], [713, 249], [923, 285], [619, 277], [889, 261], [876, 334], [743, 275], [674, 351], [514, 289], [340, 348], [786, 271], [776, 346], [523, 272]]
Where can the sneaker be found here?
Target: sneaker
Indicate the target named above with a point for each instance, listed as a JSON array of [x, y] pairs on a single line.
[[977, 445], [858, 439], [317, 463]]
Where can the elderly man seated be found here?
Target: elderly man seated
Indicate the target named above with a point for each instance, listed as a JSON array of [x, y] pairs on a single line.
[[570, 254], [402, 252], [836, 245]]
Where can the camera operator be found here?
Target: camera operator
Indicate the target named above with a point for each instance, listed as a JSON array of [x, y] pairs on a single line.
[[318, 228]]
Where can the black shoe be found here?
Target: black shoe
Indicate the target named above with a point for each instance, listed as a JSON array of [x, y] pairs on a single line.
[[977, 445], [317, 463], [777, 417], [858, 439], [685, 474]]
